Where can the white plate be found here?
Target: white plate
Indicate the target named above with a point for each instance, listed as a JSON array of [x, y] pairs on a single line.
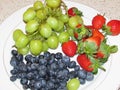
[[108, 80]]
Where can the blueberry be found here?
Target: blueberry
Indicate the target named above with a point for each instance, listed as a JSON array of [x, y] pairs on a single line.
[[14, 62], [43, 62], [13, 78], [82, 74], [20, 57], [72, 74], [34, 66], [43, 82], [24, 81], [52, 60], [50, 85], [28, 57], [90, 76], [65, 72], [42, 73], [61, 65], [42, 67], [38, 85], [77, 68], [82, 81], [21, 75], [33, 60], [14, 71], [14, 52], [41, 56], [30, 75], [66, 60], [53, 66], [47, 55], [25, 87], [58, 55], [72, 64]]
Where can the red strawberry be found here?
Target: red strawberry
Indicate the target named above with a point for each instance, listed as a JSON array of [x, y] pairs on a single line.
[[89, 63], [74, 11], [98, 21], [85, 62], [69, 48], [95, 40], [98, 34], [112, 27]]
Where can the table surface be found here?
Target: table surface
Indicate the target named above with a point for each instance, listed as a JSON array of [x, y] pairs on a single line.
[[109, 7]]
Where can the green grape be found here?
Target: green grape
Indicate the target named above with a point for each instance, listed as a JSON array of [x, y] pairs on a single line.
[[64, 37], [60, 26], [70, 31], [16, 34], [31, 26], [54, 34], [53, 22], [36, 47], [80, 20], [73, 22], [22, 41], [45, 30], [41, 14], [53, 42], [53, 3], [64, 18], [29, 15], [73, 84], [24, 50], [38, 5], [45, 46]]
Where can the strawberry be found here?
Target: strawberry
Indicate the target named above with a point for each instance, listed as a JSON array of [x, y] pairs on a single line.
[[89, 63], [104, 51], [84, 62], [98, 34], [74, 11], [94, 40], [81, 32], [98, 21], [112, 27], [91, 45], [69, 48]]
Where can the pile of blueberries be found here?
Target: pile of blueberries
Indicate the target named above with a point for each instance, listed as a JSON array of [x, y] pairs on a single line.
[[47, 71]]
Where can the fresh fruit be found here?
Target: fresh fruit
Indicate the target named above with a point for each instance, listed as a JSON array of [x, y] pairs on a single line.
[[63, 37], [53, 42], [69, 48], [73, 22], [105, 50], [53, 3], [38, 5], [29, 15], [36, 47], [45, 30], [85, 62], [53, 22], [89, 63], [73, 84], [91, 45], [74, 11], [24, 50], [31, 26], [98, 21], [96, 33], [41, 14], [112, 27], [22, 41], [16, 34]]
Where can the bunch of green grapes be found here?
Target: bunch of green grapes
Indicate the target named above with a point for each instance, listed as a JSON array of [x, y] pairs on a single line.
[[46, 26]]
